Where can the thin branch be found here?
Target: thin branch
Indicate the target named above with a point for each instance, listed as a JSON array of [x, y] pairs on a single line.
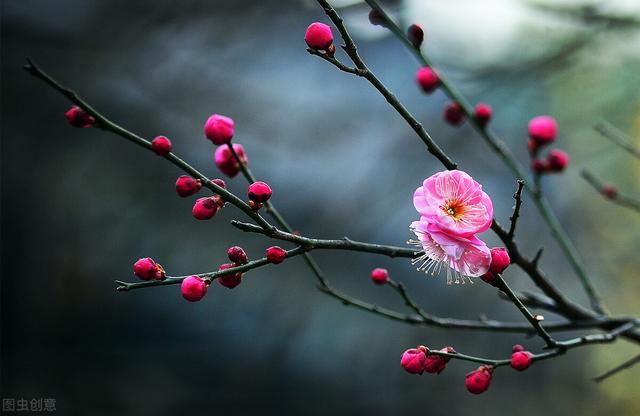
[[108, 125], [502, 285], [338, 64], [208, 277], [617, 198], [516, 210], [616, 136], [315, 243], [560, 348], [351, 50], [625, 365], [501, 149]]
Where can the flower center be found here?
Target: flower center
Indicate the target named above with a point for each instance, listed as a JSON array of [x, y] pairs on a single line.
[[454, 209]]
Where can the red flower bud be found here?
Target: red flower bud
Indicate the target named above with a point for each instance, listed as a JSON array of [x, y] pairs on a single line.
[[610, 191], [147, 269], [499, 260], [226, 162], [187, 186], [453, 114], [318, 36], [276, 255], [205, 208], [543, 129], [558, 160], [540, 166], [237, 255], [375, 18], [77, 117], [483, 114], [413, 360], [229, 280], [517, 348], [478, 381], [259, 192], [380, 276], [219, 129], [427, 79], [415, 35], [521, 360], [435, 364], [161, 145], [193, 288]]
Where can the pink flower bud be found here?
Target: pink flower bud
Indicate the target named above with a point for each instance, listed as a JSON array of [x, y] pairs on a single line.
[[276, 255], [318, 36], [259, 192], [427, 79], [517, 348], [413, 360], [558, 160], [543, 129], [380, 276], [219, 129], [205, 208], [453, 114], [375, 18], [435, 364], [415, 35], [478, 381], [77, 117], [521, 360], [483, 114], [226, 162], [237, 255], [610, 191], [193, 288], [187, 186], [147, 269], [540, 166], [229, 280], [499, 260], [161, 145]]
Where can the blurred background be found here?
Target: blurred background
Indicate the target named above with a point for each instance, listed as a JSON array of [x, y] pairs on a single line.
[[79, 206]]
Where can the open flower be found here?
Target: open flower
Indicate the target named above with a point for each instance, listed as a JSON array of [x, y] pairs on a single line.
[[465, 256], [455, 203]]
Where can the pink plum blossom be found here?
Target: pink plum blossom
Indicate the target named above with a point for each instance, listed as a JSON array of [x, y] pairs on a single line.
[[455, 203], [466, 256]]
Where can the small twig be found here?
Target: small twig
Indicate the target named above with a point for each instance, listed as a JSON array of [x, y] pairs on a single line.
[[338, 64], [625, 365], [516, 210], [502, 285], [536, 258], [618, 199], [616, 136]]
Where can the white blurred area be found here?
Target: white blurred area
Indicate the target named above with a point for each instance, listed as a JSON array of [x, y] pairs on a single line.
[[480, 35]]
